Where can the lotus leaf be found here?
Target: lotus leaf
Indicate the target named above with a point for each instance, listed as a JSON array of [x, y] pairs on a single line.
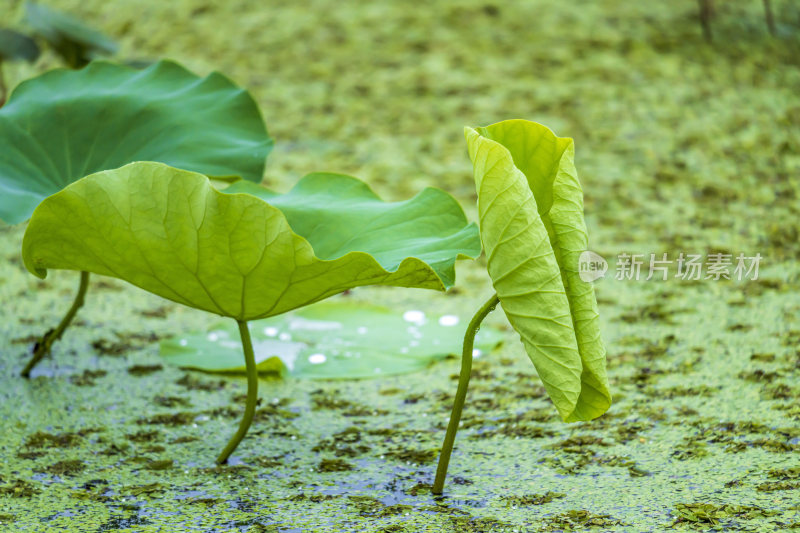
[[530, 209], [64, 125], [170, 232], [530, 205]]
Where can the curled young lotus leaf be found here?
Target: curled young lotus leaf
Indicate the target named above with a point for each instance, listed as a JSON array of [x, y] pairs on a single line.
[[530, 205], [170, 232], [64, 125]]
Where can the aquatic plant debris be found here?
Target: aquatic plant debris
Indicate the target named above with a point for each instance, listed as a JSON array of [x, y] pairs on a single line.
[[330, 340]]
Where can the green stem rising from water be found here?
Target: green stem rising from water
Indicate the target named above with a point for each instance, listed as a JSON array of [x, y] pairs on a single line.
[[42, 347], [252, 393], [461, 392]]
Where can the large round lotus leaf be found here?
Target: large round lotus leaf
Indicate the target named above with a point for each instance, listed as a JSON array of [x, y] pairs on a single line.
[[170, 232], [331, 340], [530, 205], [64, 125]]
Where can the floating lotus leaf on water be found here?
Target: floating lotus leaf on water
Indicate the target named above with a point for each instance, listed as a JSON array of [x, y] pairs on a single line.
[[330, 340]]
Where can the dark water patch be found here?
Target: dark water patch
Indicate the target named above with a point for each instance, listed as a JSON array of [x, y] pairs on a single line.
[[415, 457], [192, 382], [120, 523], [156, 312], [144, 370], [159, 465], [29, 339], [579, 520], [183, 418], [30, 456], [772, 486], [531, 499], [716, 514], [653, 312], [313, 498], [184, 439], [682, 391], [334, 465], [144, 436], [115, 449], [87, 377], [346, 443], [171, 401], [42, 439], [331, 399], [19, 488], [150, 489], [111, 348], [68, 467]]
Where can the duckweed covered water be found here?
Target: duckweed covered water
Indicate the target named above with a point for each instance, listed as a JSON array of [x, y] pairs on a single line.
[[682, 146]]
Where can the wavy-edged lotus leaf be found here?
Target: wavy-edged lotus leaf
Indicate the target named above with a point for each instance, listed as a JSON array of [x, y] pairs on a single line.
[[530, 205], [64, 125], [337, 339], [170, 232], [75, 42], [339, 214], [15, 46]]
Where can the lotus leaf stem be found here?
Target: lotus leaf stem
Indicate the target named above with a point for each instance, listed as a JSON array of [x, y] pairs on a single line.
[[252, 394], [42, 347], [461, 392]]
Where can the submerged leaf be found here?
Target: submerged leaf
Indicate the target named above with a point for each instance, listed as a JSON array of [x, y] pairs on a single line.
[[330, 340], [170, 232], [64, 125], [530, 205], [75, 42]]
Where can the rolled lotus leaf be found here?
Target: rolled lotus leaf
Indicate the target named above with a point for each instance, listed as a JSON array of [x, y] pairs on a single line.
[[530, 205], [64, 125], [170, 232]]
